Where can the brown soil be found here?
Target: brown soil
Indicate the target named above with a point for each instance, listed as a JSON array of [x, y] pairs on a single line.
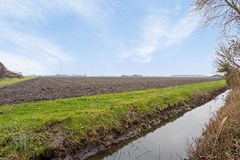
[[49, 88], [63, 146]]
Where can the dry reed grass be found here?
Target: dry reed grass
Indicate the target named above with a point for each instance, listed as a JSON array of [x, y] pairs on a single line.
[[221, 139]]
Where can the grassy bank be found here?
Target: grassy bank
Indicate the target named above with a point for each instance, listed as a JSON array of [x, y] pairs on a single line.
[[10, 81], [29, 128]]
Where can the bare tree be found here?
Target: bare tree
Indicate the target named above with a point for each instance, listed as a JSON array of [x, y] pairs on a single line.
[[224, 14], [228, 55]]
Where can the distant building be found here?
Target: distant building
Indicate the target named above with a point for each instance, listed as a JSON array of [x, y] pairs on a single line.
[[217, 76], [134, 75], [193, 75]]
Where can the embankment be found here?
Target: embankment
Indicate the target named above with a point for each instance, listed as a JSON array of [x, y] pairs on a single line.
[[79, 127]]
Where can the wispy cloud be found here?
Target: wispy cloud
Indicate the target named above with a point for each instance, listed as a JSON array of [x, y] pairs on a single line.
[[160, 31], [39, 10], [19, 34], [32, 44], [87, 9], [25, 64]]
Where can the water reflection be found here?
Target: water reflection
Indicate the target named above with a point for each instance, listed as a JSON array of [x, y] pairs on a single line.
[[168, 142]]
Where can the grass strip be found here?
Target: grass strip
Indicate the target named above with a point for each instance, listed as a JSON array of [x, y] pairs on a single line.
[[79, 116], [9, 81]]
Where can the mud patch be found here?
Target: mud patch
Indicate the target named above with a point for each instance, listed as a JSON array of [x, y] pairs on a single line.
[[57, 139]]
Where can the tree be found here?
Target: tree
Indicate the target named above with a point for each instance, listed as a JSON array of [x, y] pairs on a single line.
[[228, 62], [225, 14], [228, 55], [2, 70]]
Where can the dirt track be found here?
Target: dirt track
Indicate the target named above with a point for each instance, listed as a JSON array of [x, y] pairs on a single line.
[[49, 88]]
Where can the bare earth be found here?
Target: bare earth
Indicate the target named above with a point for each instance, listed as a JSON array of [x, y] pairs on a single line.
[[49, 88]]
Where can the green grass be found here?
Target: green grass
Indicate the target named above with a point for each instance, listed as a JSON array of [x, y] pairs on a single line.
[[78, 116], [10, 81]]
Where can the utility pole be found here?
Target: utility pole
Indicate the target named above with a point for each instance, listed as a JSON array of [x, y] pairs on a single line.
[[60, 65], [27, 69], [60, 62]]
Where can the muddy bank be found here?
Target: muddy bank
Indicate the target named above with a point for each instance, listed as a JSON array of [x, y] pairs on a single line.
[[103, 139]]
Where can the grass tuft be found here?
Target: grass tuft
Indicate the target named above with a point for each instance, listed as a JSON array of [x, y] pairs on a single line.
[[21, 142]]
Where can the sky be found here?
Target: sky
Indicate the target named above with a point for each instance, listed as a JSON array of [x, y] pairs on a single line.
[[105, 37]]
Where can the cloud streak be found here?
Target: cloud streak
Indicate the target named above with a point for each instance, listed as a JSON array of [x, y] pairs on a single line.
[[19, 34], [160, 31], [27, 64]]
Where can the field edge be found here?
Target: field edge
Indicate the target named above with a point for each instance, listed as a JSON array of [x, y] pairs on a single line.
[[7, 81], [115, 122], [104, 138], [143, 124]]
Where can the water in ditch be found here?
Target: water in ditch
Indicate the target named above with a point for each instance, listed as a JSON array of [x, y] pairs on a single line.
[[169, 141]]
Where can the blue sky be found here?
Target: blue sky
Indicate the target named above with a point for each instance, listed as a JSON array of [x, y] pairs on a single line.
[[104, 37]]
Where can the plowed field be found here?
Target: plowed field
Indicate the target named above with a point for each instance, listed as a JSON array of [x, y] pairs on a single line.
[[49, 88]]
